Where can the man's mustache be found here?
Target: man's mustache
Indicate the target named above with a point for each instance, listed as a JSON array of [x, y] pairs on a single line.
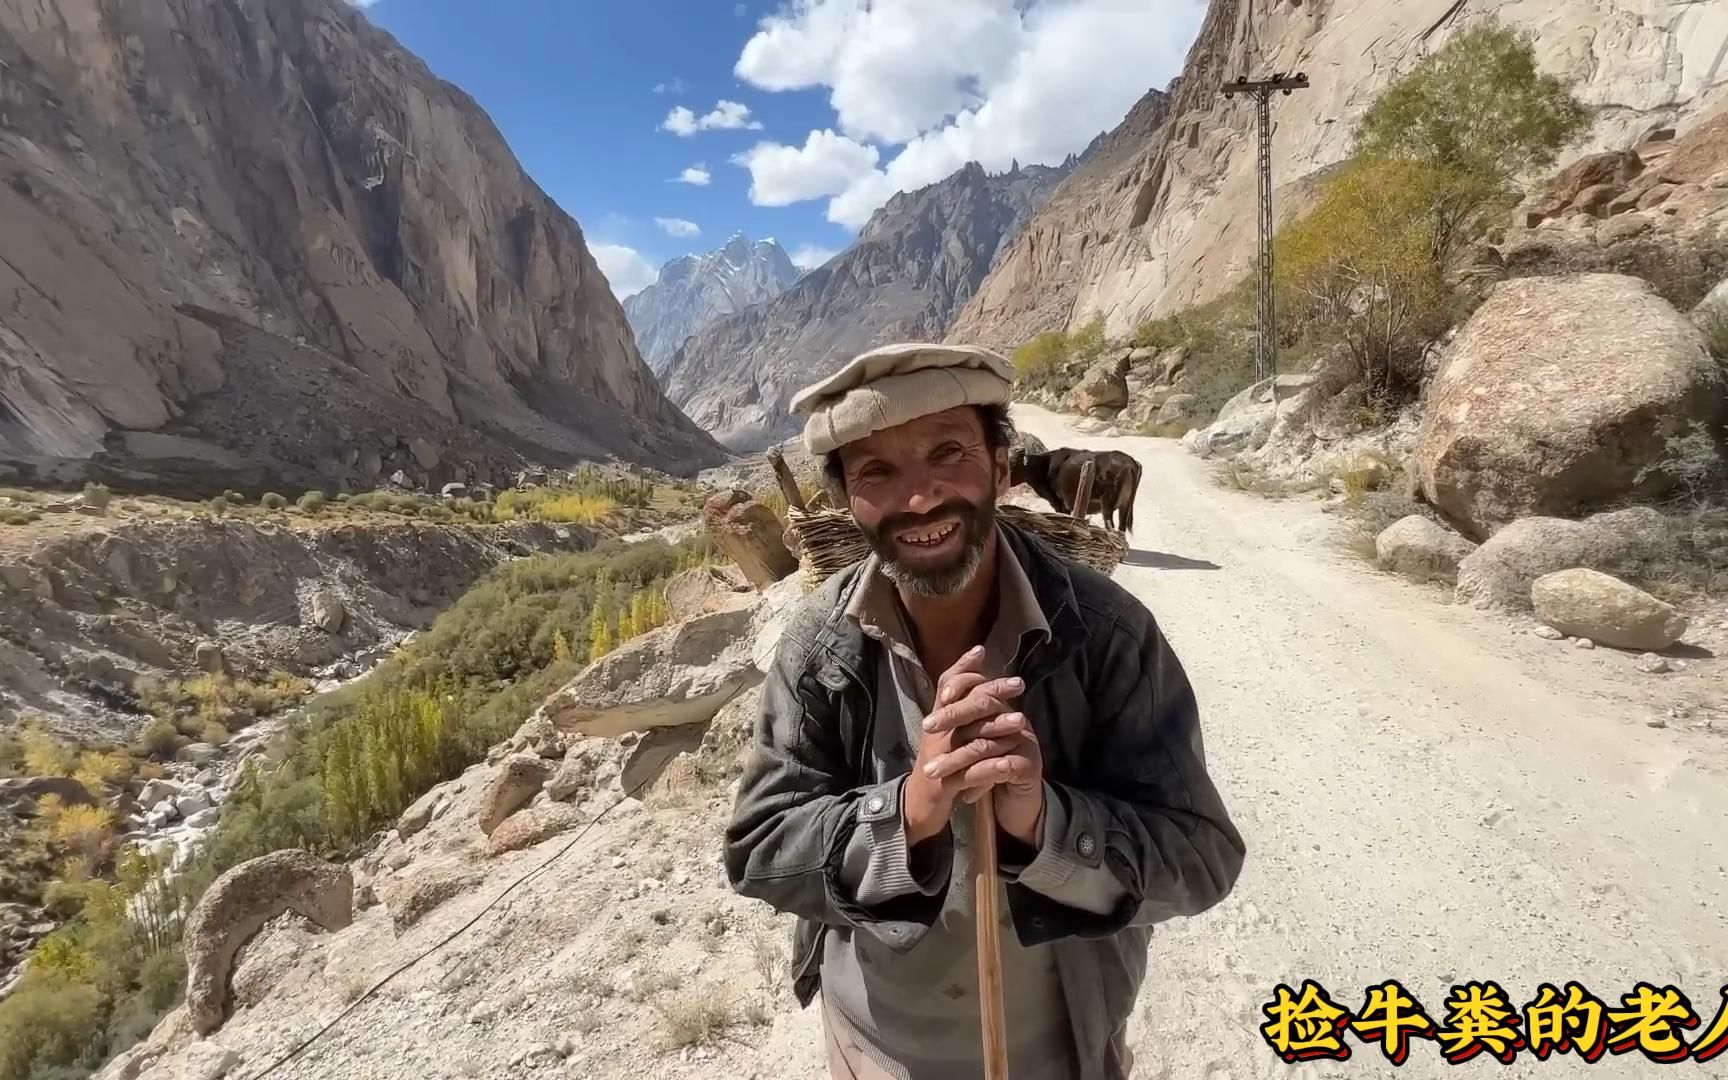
[[953, 508]]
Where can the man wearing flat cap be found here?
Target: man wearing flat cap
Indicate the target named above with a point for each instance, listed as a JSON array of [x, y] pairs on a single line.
[[961, 657]]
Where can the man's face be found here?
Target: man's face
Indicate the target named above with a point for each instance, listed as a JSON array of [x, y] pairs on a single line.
[[924, 495]]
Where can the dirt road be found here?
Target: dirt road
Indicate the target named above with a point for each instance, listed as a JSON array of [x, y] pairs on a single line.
[[1429, 794]]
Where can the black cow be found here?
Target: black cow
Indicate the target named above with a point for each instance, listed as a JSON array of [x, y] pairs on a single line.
[[1055, 476]]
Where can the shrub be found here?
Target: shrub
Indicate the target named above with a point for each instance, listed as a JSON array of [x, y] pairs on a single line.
[[98, 495], [1040, 361], [1712, 318], [213, 733], [234, 497], [344, 496], [16, 515], [1692, 465], [272, 501], [1361, 267], [695, 1016], [160, 738], [218, 507], [311, 502], [554, 504], [1477, 106], [44, 754], [47, 1020]]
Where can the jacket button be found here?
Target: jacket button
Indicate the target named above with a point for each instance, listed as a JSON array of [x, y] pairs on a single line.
[[1087, 845], [875, 804]]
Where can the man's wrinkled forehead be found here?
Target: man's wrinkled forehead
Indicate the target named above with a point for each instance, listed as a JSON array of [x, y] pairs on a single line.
[[914, 435]]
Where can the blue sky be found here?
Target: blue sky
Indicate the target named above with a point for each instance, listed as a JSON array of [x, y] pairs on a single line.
[[664, 126]]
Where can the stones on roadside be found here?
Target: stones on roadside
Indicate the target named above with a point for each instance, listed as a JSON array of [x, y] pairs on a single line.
[[1605, 609], [1653, 664], [1583, 643], [1548, 633]]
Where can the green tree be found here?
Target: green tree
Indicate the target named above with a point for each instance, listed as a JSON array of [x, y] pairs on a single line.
[[1480, 115], [1360, 268], [1477, 106]]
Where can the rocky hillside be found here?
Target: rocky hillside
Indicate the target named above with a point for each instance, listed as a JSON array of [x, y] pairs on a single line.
[[201, 190], [1181, 215], [1036, 279], [916, 261], [88, 613], [696, 290]]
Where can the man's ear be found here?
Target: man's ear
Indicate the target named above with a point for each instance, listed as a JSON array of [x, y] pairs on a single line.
[[1004, 471]]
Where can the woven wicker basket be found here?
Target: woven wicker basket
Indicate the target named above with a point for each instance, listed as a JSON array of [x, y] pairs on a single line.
[[827, 541]]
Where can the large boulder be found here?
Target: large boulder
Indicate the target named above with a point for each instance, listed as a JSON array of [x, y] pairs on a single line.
[[528, 827], [411, 897], [1419, 548], [1500, 572], [751, 536], [1558, 396], [1594, 605], [517, 780], [705, 589], [1247, 419], [328, 612], [675, 675], [239, 903], [24, 792], [1613, 170], [1178, 409], [1104, 386]]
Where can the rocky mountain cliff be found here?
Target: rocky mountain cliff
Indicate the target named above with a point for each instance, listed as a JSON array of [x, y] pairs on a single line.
[[696, 290], [203, 192], [916, 261], [1175, 226], [1036, 278]]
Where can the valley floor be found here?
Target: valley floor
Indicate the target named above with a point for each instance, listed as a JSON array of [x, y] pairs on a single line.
[[1429, 794]]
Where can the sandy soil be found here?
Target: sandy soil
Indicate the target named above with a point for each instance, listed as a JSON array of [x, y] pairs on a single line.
[[1429, 794]]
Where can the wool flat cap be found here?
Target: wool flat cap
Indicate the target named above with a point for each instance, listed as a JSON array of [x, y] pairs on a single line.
[[896, 384]]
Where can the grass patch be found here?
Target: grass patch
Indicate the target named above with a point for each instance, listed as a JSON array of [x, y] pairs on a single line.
[[554, 504], [221, 701], [696, 1016]]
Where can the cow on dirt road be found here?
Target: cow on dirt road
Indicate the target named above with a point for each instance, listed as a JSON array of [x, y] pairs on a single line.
[[1055, 476]]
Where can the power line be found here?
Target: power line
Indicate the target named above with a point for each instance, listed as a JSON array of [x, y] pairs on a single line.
[[1266, 340]]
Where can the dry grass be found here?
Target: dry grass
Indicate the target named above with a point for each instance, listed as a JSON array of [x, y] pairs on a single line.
[[769, 962], [696, 1016], [1240, 476]]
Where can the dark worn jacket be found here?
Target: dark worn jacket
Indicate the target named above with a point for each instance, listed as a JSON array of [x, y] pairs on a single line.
[[1119, 730]]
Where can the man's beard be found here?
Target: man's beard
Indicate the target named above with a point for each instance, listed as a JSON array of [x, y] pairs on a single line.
[[976, 523]]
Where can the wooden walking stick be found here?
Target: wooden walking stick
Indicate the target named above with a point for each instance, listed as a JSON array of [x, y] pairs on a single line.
[[986, 898]]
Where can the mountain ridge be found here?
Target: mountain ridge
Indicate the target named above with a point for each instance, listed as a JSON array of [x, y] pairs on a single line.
[[694, 290], [915, 261], [290, 169]]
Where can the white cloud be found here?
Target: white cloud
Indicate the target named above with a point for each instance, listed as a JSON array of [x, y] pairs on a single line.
[[827, 164], [969, 80], [672, 226], [725, 116], [696, 175], [740, 10], [894, 67], [680, 121], [626, 270], [729, 116], [676, 86], [810, 256]]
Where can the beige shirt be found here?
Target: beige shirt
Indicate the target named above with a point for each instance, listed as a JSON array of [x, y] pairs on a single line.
[[916, 1013]]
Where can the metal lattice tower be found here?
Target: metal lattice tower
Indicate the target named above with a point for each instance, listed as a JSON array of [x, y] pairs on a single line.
[[1266, 340]]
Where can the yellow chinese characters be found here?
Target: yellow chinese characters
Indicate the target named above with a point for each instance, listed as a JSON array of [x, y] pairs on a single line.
[[1480, 1018], [1306, 1027]]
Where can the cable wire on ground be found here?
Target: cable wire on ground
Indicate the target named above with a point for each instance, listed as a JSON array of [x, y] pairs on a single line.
[[453, 935]]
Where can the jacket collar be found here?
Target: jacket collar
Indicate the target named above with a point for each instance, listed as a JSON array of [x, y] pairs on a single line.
[[843, 643]]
